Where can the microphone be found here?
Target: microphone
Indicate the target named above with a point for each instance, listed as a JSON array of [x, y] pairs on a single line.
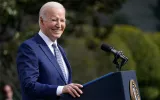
[[107, 48]]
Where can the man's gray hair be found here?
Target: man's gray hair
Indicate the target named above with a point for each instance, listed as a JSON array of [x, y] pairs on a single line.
[[52, 4]]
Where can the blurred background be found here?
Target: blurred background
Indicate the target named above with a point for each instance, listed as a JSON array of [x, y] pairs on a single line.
[[132, 26]]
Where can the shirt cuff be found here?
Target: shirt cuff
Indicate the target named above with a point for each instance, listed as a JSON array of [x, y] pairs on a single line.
[[59, 90]]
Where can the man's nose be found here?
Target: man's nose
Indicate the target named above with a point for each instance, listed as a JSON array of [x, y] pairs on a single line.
[[58, 24]]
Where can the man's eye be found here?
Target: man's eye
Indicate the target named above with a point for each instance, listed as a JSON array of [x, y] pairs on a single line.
[[63, 20], [54, 20]]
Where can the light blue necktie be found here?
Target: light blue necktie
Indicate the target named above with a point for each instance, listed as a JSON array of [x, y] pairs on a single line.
[[59, 60]]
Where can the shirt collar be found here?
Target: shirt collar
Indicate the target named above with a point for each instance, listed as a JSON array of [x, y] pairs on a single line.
[[46, 39]]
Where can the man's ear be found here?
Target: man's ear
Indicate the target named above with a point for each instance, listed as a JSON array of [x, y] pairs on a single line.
[[41, 20]]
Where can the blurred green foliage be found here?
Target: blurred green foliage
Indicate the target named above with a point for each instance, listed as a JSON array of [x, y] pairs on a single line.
[[82, 39], [141, 49]]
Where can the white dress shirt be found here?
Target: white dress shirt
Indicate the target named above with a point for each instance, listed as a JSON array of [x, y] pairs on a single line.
[[49, 44]]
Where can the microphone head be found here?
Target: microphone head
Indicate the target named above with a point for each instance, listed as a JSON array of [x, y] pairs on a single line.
[[106, 47]]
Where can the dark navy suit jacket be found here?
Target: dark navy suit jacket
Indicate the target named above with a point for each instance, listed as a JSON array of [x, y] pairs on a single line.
[[38, 70]]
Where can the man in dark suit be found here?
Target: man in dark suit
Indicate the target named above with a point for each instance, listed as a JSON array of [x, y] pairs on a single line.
[[42, 65]]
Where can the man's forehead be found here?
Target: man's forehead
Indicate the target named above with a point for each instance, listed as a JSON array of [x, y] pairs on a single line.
[[55, 12]]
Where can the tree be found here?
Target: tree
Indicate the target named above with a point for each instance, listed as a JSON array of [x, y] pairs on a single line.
[[146, 54]]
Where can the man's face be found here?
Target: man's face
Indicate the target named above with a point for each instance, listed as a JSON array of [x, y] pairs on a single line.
[[54, 23], [8, 91]]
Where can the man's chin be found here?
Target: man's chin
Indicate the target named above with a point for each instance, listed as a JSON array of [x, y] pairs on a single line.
[[56, 36]]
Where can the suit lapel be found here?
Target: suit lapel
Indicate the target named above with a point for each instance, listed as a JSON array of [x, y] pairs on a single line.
[[50, 56]]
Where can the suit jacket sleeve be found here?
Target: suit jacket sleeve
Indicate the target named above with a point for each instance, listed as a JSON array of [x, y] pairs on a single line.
[[28, 71]]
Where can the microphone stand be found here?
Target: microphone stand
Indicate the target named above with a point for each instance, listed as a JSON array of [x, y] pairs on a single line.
[[123, 60]]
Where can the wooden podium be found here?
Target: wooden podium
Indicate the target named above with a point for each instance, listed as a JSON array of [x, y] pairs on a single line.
[[121, 85]]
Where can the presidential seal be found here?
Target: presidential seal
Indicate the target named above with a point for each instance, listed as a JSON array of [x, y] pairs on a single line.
[[134, 93]]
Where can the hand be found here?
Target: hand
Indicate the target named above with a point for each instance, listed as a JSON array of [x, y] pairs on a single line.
[[73, 89]]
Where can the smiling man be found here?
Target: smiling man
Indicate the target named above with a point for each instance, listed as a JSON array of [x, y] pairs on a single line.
[[42, 65]]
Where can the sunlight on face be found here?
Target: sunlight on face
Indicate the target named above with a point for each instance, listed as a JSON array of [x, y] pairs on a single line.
[[8, 91]]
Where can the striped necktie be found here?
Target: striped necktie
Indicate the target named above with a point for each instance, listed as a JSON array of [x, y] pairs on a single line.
[[59, 60]]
